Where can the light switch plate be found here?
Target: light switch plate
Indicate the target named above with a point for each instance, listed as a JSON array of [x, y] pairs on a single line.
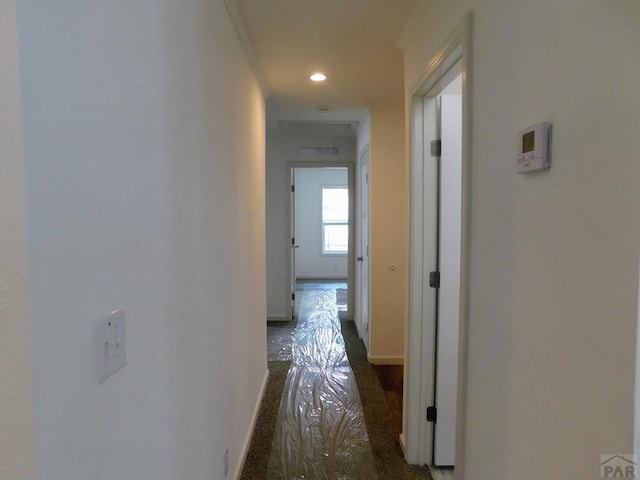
[[109, 345]]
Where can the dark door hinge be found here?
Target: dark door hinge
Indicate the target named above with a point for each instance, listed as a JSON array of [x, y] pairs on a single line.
[[434, 279], [293, 296], [293, 188], [432, 414], [436, 148]]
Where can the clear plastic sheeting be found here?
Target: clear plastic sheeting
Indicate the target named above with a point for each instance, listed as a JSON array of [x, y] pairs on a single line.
[[279, 340], [321, 432]]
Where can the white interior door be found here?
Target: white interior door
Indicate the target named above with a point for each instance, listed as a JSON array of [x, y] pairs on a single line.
[[363, 258], [448, 317], [294, 245]]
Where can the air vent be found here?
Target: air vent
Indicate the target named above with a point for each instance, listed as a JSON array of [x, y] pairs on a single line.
[[334, 129], [311, 151]]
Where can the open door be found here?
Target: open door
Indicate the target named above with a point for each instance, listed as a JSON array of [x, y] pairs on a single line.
[[363, 250], [320, 226], [294, 245], [435, 359], [441, 259], [448, 292]]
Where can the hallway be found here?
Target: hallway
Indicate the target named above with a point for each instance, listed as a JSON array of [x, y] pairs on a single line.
[[333, 419]]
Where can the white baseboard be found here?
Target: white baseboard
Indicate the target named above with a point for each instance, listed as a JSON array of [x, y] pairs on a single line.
[[357, 324], [403, 445], [254, 420], [278, 318], [436, 473], [386, 360], [441, 473]]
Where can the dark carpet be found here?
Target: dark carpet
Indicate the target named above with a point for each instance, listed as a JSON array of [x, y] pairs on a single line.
[[382, 428], [381, 424], [255, 467]]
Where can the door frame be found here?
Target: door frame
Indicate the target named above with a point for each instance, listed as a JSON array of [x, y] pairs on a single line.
[[361, 286], [289, 212], [416, 438]]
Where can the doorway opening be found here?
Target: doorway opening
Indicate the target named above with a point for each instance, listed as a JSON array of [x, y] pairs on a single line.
[[321, 231], [435, 369]]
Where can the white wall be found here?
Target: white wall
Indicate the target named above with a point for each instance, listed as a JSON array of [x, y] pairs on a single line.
[[144, 148], [282, 149], [16, 382], [554, 256], [310, 261], [383, 130]]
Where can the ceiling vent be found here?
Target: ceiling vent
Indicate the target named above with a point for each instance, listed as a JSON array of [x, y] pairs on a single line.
[[315, 151], [332, 129]]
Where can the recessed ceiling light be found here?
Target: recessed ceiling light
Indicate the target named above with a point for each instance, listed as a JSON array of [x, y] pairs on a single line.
[[318, 77]]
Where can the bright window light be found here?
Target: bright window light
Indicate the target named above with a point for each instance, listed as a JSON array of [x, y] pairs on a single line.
[[335, 220]]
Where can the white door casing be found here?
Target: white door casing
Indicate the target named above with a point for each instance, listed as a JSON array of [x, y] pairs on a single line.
[[416, 439]]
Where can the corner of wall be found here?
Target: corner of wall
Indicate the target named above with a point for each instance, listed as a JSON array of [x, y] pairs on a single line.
[[17, 450], [389, 239]]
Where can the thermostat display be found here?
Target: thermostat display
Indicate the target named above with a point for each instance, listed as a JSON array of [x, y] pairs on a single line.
[[534, 148]]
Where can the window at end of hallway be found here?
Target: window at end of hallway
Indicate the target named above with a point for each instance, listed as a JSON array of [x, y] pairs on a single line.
[[335, 220]]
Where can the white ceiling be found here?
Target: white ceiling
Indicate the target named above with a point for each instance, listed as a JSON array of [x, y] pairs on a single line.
[[352, 41]]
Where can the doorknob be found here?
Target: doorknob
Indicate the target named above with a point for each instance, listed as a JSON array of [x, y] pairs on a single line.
[[360, 259], [295, 246]]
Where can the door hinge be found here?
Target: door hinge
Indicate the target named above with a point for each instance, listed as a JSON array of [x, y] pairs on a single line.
[[293, 296], [293, 241], [436, 148], [432, 414], [434, 279], [293, 188]]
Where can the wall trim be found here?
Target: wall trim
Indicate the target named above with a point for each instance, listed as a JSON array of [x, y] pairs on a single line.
[[254, 419], [402, 440], [385, 360]]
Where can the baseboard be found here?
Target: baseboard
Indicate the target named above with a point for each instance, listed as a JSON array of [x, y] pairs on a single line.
[[357, 324], [441, 473], [254, 420], [403, 445], [386, 360], [278, 318]]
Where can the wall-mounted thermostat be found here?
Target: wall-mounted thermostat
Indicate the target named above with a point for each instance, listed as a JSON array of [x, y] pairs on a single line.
[[534, 148]]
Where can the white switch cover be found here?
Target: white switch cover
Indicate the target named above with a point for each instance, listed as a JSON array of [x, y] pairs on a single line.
[[109, 345]]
